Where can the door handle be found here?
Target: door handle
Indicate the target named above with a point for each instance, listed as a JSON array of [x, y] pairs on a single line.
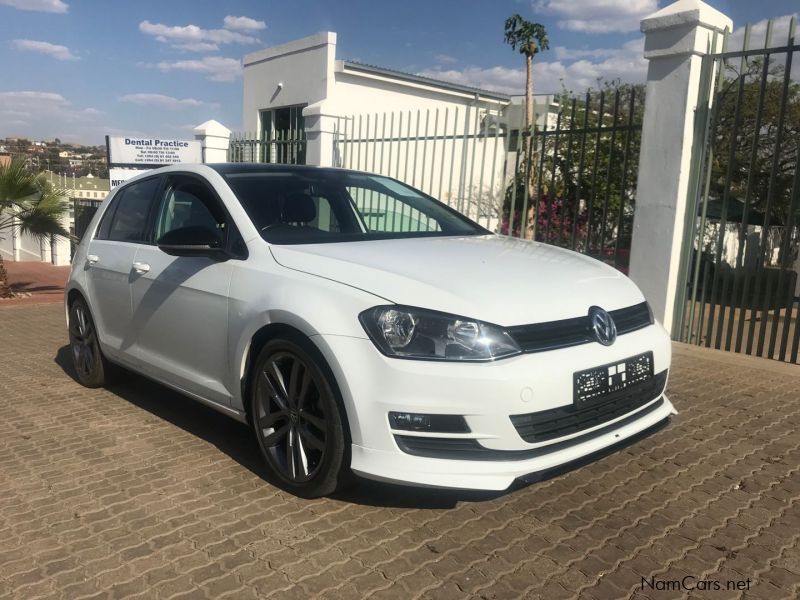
[[92, 258], [141, 267]]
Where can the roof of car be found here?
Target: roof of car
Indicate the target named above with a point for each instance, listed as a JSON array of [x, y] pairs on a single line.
[[227, 168]]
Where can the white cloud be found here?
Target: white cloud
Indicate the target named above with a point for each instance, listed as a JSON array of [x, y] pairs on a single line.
[[215, 68], [243, 23], [498, 79], [54, 50], [574, 68], [197, 47], [758, 34], [445, 59], [597, 16], [160, 100], [53, 6], [192, 37], [45, 115]]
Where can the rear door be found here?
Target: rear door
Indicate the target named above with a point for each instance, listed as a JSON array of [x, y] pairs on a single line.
[[180, 303], [109, 264]]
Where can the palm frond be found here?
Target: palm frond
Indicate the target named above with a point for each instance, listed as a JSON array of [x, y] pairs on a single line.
[[17, 183], [29, 202]]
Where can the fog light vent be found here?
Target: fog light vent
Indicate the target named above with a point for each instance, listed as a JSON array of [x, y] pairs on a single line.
[[434, 423]]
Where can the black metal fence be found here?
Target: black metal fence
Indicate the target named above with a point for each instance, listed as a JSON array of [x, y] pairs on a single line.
[[741, 263], [576, 186]]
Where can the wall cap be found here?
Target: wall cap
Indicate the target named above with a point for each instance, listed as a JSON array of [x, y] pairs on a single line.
[[317, 40], [686, 13]]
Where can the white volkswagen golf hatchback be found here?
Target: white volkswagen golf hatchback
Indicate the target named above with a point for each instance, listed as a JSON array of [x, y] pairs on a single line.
[[360, 326]]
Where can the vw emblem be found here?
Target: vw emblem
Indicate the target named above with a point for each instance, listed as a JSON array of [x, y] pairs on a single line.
[[603, 327]]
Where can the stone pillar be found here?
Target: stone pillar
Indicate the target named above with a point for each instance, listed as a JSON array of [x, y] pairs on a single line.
[[676, 38], [60, 247], [215, 139], [320, 133]]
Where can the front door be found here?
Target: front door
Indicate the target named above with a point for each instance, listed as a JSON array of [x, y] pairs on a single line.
[[180, 304], [109, 265]]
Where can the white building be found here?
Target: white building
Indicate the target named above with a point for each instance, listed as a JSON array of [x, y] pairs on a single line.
[[382, 120]]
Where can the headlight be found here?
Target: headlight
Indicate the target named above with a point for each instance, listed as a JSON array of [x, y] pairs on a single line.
[[408, 332]]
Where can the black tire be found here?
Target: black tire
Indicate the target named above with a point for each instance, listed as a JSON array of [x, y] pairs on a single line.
[[91, 366], [298, 418]]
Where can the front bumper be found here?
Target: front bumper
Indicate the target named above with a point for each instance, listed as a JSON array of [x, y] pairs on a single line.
[[486, 394]]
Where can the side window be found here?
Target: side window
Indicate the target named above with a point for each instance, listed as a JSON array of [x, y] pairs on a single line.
[[129, 223], [383, 213], [105, 222], [189, 203]]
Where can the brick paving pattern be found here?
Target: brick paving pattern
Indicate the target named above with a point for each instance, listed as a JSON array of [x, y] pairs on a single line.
[[138, 492]]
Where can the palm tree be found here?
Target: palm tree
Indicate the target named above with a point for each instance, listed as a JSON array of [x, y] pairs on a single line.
[[29, 204], [530, 39]]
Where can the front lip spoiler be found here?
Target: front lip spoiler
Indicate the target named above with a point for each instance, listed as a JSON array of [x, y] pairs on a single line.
[[538, 476]]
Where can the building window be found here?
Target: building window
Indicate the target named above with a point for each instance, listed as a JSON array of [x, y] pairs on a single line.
[[283, 135]]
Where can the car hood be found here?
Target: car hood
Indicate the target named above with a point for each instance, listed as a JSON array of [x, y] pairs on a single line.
[[491, 278]]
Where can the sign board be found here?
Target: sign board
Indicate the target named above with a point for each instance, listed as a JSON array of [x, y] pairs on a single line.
[[129, 156], [150, 152], [119, 176]]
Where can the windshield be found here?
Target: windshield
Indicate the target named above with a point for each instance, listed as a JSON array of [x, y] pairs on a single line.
[[312, 207]]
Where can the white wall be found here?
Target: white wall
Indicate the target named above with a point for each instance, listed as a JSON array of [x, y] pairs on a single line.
[[304, 67]]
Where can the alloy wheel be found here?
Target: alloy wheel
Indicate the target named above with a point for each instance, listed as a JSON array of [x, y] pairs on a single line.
[[291, 418], [82, 341]]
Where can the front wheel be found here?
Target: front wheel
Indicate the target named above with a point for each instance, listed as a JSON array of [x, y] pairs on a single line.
[[297, 419]]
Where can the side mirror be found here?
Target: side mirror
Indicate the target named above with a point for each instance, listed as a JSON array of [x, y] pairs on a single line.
[[193, 241]]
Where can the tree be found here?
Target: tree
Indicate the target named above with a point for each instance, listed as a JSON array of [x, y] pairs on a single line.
[[529, 39], [755, 156], [586, 186], [29, 204]]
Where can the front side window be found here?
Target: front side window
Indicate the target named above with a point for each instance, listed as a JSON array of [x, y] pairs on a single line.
[[187, 202], [315, 206], [129, 222]]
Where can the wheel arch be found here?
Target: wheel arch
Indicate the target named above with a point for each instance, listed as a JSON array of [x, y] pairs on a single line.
[[73, 292], [283, 329]]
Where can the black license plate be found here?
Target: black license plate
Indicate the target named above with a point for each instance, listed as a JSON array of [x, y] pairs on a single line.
[[594, 384]]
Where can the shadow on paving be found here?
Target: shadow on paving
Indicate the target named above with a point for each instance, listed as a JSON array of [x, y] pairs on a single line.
[[30, 287], [237, 441]]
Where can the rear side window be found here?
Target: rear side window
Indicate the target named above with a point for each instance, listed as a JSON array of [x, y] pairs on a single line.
[[105, 221], [129, 223]]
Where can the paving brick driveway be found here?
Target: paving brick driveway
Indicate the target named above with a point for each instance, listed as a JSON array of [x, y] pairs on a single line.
[[139, 492]]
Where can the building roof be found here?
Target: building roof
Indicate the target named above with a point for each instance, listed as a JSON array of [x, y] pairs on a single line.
[[352, 65]]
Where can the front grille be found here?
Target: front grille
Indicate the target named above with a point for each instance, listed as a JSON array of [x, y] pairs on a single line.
[[578, 330], [565, 420]]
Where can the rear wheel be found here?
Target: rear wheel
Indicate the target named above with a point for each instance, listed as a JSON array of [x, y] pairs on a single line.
[[91, 367], [297, 419]]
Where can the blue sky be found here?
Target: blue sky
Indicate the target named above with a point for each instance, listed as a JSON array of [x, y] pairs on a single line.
[[79, 69]]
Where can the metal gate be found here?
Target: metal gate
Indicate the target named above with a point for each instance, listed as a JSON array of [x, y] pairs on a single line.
[[740, 259], [569, 181]]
